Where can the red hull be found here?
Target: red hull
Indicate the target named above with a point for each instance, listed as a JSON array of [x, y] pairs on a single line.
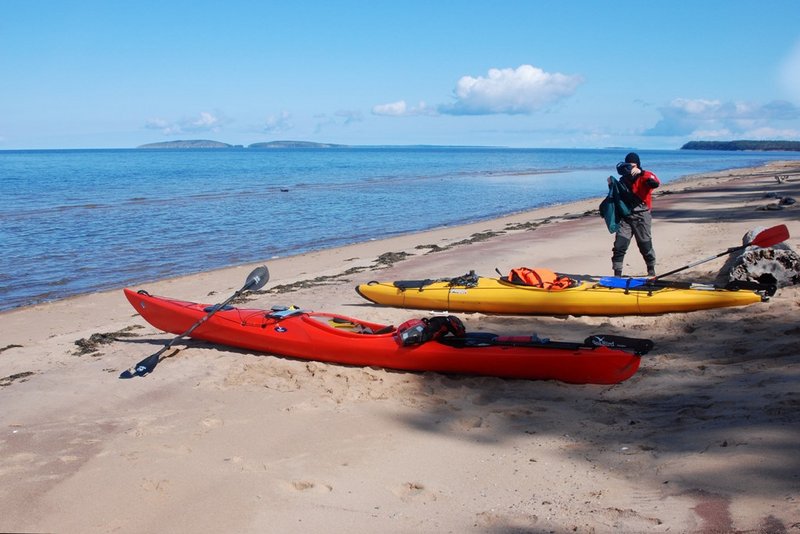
[[335, 338]]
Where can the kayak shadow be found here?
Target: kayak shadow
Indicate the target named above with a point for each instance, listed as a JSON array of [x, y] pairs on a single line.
[[720, 386]]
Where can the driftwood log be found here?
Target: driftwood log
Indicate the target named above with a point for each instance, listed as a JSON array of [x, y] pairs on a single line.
[[779, 264]]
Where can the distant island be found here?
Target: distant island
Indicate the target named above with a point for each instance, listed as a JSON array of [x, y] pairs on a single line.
[[788, 146], [294, 144], [205, 143], [192, 143]]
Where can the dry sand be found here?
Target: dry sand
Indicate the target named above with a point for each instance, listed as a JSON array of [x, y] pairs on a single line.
[[704, 438]]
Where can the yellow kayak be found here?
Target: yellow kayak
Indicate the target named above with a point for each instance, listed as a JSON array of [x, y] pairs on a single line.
[[498, 295]]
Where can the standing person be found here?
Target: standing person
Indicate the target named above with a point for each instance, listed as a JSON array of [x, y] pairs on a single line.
[[639, 222]]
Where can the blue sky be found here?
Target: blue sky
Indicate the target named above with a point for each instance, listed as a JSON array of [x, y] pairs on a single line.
[[588, 74]]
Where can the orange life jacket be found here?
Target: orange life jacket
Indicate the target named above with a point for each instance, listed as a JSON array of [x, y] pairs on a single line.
[[538, 277]]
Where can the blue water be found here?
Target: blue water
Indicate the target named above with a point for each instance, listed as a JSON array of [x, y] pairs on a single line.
[[79, 221]]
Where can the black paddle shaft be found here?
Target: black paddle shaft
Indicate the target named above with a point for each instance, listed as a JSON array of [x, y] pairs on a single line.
[[765, 238], [698, 262]]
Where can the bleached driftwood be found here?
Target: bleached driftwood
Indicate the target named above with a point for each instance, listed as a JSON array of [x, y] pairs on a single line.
[[779, 264]]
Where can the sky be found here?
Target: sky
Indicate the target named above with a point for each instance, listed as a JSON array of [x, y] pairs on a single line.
[[537, 74]]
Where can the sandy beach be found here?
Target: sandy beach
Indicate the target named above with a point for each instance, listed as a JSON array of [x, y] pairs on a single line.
[[703, 439]]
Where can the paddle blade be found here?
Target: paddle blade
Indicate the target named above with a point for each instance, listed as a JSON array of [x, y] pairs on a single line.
[[257, 279], [142, 368], [771, 236]]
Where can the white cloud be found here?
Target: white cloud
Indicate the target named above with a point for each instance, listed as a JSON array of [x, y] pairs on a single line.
[[205, 122], [714, 118], [394, 109], [789, 74], [401, 109], [278, 123], [523, 90], [697, 107]]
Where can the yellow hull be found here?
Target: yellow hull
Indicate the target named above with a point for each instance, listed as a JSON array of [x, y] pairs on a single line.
[[492, 295]]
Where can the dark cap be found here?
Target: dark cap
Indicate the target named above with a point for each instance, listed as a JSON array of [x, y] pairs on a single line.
[[633, 157]]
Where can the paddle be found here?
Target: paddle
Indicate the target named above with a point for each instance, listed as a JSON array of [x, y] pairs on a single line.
[[765, 238], [255, 281]]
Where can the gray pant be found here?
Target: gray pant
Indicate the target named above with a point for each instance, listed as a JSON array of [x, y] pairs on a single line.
[[637, 225]]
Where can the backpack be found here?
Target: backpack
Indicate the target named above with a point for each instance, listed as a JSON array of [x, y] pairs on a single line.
[[543, 278], [418, 331]]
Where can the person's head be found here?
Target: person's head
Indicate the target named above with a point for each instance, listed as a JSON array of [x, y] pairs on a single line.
[[633, 158]]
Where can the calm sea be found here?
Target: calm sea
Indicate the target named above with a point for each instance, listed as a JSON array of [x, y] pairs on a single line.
[[79, 221]]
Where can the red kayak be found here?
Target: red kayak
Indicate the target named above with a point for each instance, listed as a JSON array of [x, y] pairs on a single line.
[[437, 344]]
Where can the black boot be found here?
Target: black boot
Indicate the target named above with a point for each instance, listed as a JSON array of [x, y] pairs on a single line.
[[618, 273]]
